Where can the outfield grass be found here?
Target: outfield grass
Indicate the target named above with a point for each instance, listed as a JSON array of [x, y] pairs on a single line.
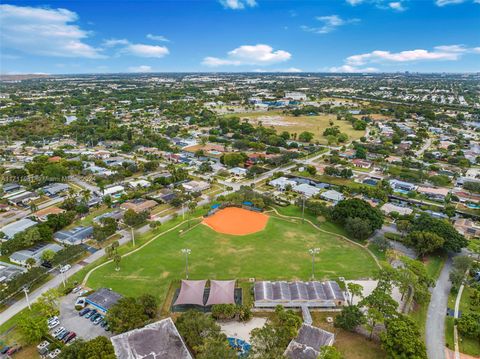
[[278, 252], [315, 124]]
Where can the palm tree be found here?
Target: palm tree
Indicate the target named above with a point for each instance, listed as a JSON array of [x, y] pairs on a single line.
[[33, 207], [116, 259], [86, 195]]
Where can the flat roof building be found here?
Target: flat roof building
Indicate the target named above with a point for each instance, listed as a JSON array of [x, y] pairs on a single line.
[[35, 252], [157, 340], [103, 299], [74, 236]]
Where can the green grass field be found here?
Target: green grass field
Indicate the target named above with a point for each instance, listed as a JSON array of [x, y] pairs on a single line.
[[293, 124], [278, 252]]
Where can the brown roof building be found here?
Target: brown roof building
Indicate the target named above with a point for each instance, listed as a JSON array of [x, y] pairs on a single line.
[[139, 205]]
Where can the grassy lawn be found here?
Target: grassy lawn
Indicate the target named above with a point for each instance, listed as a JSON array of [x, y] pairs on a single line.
[[466, 345], [88, 220], [278, 252], [351, 345], [293, 124]]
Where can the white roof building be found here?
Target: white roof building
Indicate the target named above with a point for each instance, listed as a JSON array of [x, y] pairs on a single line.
[[388, 208], [282, 182], [113, 190], [16, 227], [332, 196], [140, 183], [306, 189]]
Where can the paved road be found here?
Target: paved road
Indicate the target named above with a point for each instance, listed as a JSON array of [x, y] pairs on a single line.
[[437, 309], [56, 281], [21, 214]]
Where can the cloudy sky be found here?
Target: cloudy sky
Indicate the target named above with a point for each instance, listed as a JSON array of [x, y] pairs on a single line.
[[85, 36]]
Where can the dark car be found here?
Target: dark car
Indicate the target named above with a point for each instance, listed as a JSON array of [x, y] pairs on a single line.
[[94, 317], [4, 349], [69, 337], [83, 312], [62, 336], [91, 313], [104, 323]]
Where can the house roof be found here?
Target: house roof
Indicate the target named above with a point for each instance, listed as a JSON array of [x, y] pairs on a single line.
[[74, 235], [16, 227], [308, 342], [159, 340]]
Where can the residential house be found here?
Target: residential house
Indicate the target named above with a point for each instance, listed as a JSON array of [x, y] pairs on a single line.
[[361, 163], [74, 236], [35, 252], [467, 227], [42, 215], [55, 188], [389, 208], [332, 196], [10, 230], [434, 193], [196, 186], [139, 205], [306, 190], [282, 183]]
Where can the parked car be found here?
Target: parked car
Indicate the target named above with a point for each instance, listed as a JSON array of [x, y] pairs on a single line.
[[60, 335], [53, 354], [94, 317], [63, 335], [69, 337], [76, 289], [82, 293], [104, 323], [4, 349], [14, 350], [91, 313], [53, 324], [84, 311], [57, 331], [65, 268], [98, 320]]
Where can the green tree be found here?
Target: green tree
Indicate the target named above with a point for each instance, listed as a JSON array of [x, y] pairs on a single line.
[[125, 315], [350, 318], [402, 339], [33, 327], [424, 242], [305, 136], [47, 255], [328, 352], [355, 290], [98, 348], [469, 325], [195, 327], [216, 347], [357, 228]]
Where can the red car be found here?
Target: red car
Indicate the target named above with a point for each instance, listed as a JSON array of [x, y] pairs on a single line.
[[13, 350], [69, 337]]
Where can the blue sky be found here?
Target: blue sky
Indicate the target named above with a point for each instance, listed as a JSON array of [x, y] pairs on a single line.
[[84, 36]]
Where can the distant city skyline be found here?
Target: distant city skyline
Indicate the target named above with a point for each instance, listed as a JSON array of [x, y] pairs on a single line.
[[352, 36]]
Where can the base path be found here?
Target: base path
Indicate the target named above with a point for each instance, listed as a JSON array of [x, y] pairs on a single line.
[[236, 221]]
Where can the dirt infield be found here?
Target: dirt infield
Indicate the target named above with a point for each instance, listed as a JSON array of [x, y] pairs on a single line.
[[236, 221]]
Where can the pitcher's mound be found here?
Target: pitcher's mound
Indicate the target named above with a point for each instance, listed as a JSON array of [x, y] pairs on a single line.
[[236, 221]]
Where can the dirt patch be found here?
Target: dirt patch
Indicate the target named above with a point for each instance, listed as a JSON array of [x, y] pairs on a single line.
[[236, 221]]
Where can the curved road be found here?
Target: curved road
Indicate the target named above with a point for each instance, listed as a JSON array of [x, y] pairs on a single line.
[[437, 309]]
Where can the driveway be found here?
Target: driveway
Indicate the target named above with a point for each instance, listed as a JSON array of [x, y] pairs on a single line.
[[437, 309]]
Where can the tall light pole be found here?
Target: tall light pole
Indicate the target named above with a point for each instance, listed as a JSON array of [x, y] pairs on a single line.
[[186, 251], [133, 235], [303, 209], [313, 252]]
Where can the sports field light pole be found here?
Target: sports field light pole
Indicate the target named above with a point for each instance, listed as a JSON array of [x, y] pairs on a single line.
[[133, 235], [313, 252], [186, 251]]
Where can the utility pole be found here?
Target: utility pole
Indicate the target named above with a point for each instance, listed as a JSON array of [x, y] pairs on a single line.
[[133, 236], [25, 290]]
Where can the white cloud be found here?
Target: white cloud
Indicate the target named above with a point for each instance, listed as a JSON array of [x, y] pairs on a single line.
[[287, 70], [448, 2], [46, 32], [141, 68], [157, 38], [403, 56], [444, 52], [249, 55], [330, 23], [396, 5], [351, 69], [355, 2], [238, 4], [140, 50]]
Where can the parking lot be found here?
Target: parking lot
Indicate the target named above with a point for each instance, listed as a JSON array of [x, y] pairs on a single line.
[[70, 320]]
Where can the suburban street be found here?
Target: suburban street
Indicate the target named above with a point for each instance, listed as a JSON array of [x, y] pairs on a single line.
[[21, 304], [437, 309]]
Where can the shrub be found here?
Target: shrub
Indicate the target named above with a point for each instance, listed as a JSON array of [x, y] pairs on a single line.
[[224, 311]]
